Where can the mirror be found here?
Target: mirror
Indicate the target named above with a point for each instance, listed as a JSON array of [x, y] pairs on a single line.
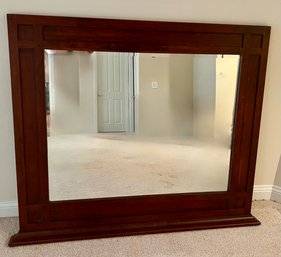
[[182, 139], [123, 124]]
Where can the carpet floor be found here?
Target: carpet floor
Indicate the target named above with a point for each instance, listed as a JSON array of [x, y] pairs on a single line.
[[256, 241], [108, 165]]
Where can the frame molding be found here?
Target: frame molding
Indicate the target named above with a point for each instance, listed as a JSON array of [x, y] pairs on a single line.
[[44, 221]]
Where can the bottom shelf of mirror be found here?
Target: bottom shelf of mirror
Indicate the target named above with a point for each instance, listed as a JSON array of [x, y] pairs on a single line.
[[60, 235]]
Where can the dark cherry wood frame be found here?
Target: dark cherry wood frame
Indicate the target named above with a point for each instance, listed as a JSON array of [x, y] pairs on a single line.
[[42, 220]]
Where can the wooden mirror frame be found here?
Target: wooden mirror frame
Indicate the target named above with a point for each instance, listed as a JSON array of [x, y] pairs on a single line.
[[42, 220]]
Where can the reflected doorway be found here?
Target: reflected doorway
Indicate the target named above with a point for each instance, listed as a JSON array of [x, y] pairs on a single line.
[[115, 90], [98, 88]]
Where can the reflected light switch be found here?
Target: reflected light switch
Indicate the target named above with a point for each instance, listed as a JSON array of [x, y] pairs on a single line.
[[154, 84]]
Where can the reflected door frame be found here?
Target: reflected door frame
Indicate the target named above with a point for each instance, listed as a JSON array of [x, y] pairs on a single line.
[[131, 115]]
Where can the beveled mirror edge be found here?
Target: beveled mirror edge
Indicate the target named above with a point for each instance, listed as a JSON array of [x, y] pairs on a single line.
[[43, 221]]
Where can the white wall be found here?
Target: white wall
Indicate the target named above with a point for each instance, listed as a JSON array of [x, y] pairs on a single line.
[[216, 11], [166, 110], [71, 92], [64, 92], [204, 95], [181, 93], [277, 180], [87, 91], [226, 83], [154, 110]]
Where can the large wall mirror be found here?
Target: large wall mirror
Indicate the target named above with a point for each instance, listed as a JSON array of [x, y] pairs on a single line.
[[123, 124], [131, 127]]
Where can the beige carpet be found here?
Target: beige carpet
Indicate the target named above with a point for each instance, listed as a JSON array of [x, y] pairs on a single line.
[[108, 165], [257, 241]]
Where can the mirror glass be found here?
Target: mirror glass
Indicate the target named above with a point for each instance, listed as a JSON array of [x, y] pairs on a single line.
[[122, 124]]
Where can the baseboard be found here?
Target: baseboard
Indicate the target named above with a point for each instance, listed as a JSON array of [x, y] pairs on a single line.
[[262, 192], [276, 194], [8, 209]]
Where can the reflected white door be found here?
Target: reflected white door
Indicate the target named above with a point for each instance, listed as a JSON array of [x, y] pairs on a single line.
[[113, 94]]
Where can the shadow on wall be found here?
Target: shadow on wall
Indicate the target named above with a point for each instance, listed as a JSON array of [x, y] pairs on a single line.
[[277, 180]]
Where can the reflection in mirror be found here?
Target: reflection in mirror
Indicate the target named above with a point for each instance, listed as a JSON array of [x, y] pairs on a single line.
[[123, 124]]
